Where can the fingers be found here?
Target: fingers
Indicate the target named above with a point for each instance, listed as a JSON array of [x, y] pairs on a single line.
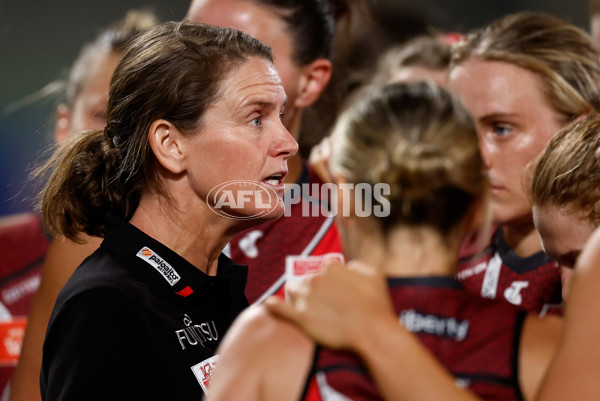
[[332, 264], [280, 308], [297, 292], [362, 268]]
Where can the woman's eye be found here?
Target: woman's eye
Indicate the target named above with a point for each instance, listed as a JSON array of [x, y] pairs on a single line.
[[501, 129], [256, 121]]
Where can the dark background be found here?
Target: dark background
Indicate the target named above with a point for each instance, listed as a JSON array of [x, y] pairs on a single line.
[[40, 39]]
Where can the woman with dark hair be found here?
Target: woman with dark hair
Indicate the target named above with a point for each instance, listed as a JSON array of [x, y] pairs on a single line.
[[142, 316], [301, 34]]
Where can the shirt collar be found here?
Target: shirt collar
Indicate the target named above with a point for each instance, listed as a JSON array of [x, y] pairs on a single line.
[[165, 266]]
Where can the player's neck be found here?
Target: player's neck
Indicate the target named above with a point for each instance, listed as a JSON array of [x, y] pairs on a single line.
[[522, 238], [407, 252], [199, 236]]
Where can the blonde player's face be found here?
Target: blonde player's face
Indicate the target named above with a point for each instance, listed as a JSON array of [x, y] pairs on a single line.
[[514, 122]]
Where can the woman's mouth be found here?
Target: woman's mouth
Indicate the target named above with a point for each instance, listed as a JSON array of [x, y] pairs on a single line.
[[276, 180]]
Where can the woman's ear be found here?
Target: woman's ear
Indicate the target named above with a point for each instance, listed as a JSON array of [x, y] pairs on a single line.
[[62, 126], [313, 80], [165, 142]]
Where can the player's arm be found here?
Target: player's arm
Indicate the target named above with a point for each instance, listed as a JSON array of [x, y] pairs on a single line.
[[350, 309], [539, 339], [403, 368]]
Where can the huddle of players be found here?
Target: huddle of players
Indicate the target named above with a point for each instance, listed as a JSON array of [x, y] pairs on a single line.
[[523, 78]]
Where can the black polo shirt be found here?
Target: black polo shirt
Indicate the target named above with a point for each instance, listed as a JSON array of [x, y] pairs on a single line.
[[137, 321]]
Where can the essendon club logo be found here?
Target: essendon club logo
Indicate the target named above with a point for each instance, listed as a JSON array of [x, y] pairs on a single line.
[[204, 372], [160, 265]]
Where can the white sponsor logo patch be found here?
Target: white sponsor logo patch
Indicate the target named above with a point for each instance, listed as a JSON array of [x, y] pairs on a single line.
[[204, 372], [491, 278], [161, 266], [248, 243], [513, 293]]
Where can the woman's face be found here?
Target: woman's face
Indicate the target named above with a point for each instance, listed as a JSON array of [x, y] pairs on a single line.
[[89, 108], [242, 136], [261, 23], [514, 123], [563, 232]]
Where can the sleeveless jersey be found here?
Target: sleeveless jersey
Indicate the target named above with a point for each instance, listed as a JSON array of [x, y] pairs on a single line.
[[304, 230], [532, 283], [476, 340]]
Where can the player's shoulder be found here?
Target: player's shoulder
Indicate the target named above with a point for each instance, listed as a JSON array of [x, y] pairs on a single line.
[[264, 356], [257, 327]]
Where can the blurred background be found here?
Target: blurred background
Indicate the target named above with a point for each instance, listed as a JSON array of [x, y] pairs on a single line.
[[40, 39]]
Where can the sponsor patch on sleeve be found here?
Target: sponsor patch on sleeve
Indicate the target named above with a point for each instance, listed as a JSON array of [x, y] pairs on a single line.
[[160, 265], [297, 268], [204, 372]]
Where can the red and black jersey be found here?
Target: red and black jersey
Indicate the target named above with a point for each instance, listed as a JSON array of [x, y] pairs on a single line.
[[532, 283], [23, 245], [476, 340], [302, 231]]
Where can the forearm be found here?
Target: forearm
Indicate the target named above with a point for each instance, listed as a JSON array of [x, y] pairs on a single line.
[[402, 367]]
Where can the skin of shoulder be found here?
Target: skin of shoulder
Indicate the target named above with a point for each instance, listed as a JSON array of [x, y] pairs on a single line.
[[539, 340], [261, 358]]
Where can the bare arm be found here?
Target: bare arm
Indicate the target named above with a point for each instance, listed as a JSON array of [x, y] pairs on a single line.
[[328, 309], [261, 359], [539, 340], [62, 259], [574, 371]]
